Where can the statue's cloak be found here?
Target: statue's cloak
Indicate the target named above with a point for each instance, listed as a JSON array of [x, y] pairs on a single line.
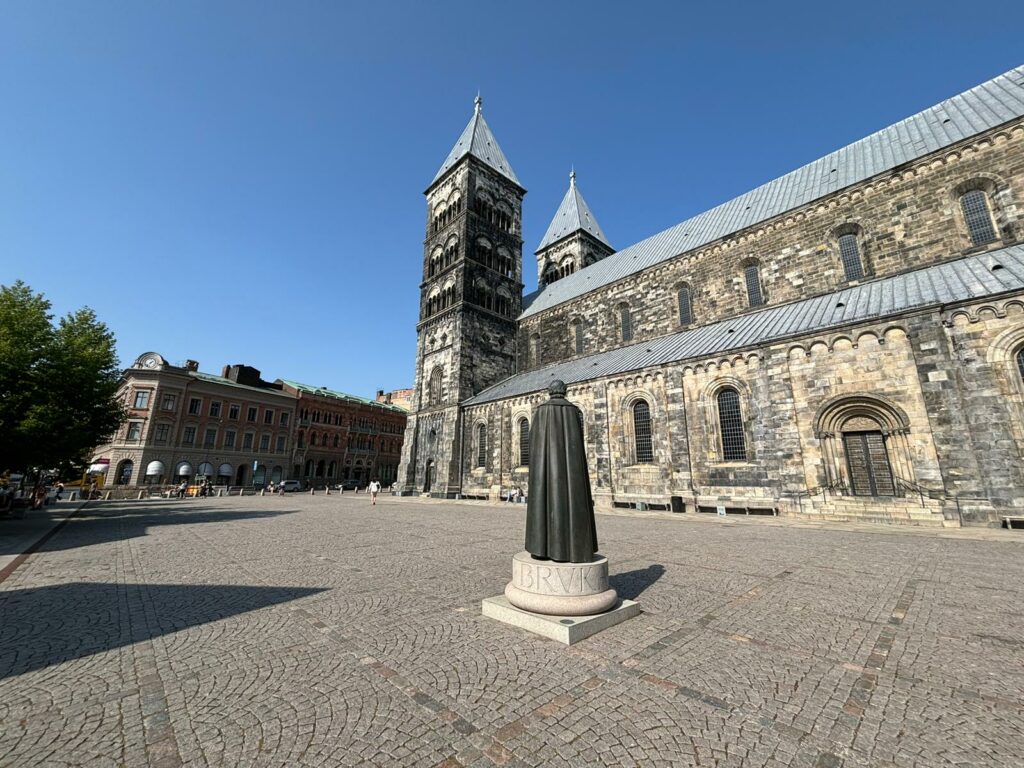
[[560, 510]]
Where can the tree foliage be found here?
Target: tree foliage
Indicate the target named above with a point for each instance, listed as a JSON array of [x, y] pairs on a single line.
[[58, 383]]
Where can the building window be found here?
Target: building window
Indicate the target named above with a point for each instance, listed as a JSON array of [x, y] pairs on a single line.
[[233, 412], [284, 418], [195, 405], [312, 439], [642, 432], [1020, 362], [436, 383], [577, 332], [849, 253], [142, 399], [247, 441], [162, 431], [169, 402], [685, 305], [188, 437], [134, 431], [250, 415], [752, 276], [229, 439], [268, 416], [481, 445], [730, 421], [215, 408], [210, 438], [337, 441], [524, 443], [626, 323], [264, 442], [280, 443], [978, 217]]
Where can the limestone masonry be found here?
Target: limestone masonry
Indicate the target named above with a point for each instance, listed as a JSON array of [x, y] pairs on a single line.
[[846, 341]]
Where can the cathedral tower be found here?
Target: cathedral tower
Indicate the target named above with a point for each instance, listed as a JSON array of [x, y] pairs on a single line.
[[470, 297], [574, 239]]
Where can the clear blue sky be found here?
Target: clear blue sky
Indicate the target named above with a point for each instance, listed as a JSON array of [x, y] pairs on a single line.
[[240, 182]]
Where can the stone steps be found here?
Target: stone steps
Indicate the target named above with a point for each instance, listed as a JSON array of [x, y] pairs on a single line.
[[902, 512]]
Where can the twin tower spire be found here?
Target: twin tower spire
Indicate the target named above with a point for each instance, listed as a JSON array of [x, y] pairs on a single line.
[[573, 217]]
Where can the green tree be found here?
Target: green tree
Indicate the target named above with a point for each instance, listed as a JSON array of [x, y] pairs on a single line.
[[58, 383]]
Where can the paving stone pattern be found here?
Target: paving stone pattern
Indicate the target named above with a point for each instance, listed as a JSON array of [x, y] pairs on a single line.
[[321, 631]]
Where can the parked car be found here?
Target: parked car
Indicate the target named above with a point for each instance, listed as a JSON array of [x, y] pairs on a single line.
[[290, 485], [347, 485]]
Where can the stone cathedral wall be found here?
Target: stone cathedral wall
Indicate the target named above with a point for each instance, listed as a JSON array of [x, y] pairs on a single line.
[[904, 219], [948, 381]]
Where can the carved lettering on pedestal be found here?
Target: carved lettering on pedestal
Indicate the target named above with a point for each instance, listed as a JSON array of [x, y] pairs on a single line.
[[525, 574], [592, 578], [544, 578]]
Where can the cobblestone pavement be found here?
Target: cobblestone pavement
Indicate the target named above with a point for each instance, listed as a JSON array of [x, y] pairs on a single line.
[[320, 631]]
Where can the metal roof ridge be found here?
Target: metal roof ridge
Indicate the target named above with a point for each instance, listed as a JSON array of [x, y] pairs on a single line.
[[885, 149], [882, 297]]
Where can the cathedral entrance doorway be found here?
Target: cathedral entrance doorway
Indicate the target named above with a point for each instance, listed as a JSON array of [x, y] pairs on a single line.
[[868, 463], [428, 476]]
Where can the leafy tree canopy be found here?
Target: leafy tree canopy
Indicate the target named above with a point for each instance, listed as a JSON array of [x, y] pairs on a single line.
[[58, 383]]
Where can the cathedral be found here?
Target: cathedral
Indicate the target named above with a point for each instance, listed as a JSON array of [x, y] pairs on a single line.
[[845, 342]]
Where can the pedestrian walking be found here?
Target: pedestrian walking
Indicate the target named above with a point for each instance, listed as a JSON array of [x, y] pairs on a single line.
[[374, 489], [182, 489]]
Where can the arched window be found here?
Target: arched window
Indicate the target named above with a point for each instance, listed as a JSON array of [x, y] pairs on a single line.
[[434, 391], [978, 217], [730, 421], [481, 445], [312, 439], [685, 306], [642, 432], [625, 323], [524, 442], [577, 331], [1020, 362], [752, 277], [849, 253]]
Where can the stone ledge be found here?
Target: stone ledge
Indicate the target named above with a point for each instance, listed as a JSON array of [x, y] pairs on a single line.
[[563, 629]]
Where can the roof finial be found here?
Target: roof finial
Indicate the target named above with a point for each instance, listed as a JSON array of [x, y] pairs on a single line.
[[572, 176], [478, 103]]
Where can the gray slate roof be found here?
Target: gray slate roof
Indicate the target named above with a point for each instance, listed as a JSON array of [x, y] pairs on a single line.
[[980, 109], [478, 141], [966, 279], [572, 215]]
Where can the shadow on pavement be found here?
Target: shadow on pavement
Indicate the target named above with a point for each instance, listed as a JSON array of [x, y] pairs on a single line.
[[631, 584], [104, 522], [49, 625]]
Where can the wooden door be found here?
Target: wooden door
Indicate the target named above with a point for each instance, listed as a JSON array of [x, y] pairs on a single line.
[[868, 462]]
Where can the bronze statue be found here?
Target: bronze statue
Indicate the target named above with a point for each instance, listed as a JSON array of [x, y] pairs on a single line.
[[560, 510]]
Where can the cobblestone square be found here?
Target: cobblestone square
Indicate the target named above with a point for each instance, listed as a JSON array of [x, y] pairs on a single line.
[[321, 631]]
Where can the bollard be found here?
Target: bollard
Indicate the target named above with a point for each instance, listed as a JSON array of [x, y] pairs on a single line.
[[241, 490], [141, 493], [220, 492], [328, 490], [262, 493], [106, 496], [73, 496], [312, 491]]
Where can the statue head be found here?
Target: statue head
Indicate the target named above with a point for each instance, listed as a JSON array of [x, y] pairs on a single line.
[[557, 388]]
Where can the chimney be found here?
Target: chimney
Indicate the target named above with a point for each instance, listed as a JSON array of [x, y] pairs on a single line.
[[191, 365], [380, 395]]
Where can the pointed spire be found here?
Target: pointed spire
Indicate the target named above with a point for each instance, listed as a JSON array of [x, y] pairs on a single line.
[[572, 215], [478, 141]]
